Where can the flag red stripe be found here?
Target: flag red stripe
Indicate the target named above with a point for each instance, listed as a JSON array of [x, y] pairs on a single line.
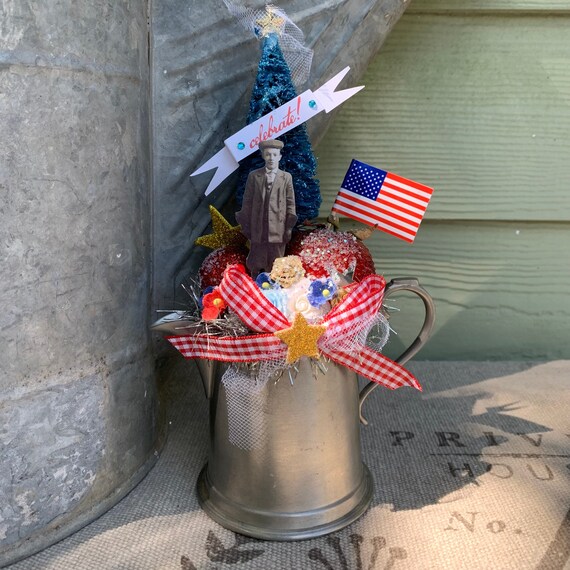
[[384, 214], [419, 197], [401, 201], [410, 182], [380, 218], [376, 205], [405, 234], [376, 222]]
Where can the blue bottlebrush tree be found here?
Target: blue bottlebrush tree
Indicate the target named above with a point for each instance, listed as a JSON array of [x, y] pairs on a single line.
[[274, 87]]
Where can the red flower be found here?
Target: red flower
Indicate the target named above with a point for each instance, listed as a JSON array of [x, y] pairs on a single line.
[[212, 305]]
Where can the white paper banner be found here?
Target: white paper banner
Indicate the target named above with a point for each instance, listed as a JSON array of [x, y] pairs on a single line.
[[274, 124]]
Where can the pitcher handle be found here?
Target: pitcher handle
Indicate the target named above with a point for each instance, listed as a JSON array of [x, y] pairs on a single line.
[[413, 285]]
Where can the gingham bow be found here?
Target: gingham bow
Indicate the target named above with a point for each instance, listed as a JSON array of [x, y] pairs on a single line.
[[355, 312]]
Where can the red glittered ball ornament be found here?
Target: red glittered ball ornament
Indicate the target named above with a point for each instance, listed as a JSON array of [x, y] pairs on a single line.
[[213, 267], [321, 249]]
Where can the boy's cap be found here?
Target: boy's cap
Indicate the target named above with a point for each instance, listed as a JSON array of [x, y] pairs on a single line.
[[270, 143]]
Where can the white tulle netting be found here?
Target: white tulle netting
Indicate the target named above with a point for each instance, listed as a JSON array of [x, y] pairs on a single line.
[[246, 385], [291, 38], [378, 333], [246, 398]]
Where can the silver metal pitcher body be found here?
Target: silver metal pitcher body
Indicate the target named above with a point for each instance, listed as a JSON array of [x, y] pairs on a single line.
[[305, 477]]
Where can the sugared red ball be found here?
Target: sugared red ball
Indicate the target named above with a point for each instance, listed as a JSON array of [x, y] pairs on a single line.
[[321, 249], [213, 267]]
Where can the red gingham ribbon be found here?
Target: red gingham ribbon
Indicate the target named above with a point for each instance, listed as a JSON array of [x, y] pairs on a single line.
[[244, 297]]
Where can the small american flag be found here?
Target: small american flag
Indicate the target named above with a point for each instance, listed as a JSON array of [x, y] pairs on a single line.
[[384, 200]]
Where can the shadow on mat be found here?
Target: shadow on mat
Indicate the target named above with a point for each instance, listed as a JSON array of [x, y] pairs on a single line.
[[422, 448], [431, 448]]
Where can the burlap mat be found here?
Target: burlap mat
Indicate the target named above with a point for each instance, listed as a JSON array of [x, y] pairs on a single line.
[[472, 474]]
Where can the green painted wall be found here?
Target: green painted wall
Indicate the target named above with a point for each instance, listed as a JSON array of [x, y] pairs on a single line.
[[473, 99]]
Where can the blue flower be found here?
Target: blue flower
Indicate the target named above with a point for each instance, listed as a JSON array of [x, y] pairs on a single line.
[[321, 291], [265, 282]]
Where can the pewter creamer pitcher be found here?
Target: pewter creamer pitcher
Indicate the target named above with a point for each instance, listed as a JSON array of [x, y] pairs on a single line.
[[307, 477]]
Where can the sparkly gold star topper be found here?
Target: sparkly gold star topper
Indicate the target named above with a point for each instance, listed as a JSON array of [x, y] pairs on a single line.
[[224, 233], [270, 22], [301, 339]]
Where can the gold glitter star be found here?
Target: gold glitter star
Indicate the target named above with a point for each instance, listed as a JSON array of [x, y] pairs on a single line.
[[224, 233], [270, 23], [301, 339]]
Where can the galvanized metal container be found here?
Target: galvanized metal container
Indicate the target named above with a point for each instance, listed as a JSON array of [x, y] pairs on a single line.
[[306, 477]]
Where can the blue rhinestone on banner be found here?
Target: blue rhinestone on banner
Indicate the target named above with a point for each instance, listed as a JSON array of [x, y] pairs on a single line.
[[241, 146], [313, 104]]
